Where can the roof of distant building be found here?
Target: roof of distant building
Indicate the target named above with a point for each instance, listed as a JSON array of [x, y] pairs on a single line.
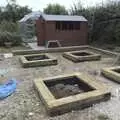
[[32, 16], [63, 18]]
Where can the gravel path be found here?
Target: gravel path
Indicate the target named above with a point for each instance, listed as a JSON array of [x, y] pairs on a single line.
[[25, 104]]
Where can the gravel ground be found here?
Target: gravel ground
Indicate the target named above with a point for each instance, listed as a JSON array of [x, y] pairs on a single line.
[[25, 104]]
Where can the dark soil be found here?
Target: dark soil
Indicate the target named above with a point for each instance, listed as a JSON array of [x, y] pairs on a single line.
[[117, 70], [40, 57], [66, 87], [81, 54], [61, 90]]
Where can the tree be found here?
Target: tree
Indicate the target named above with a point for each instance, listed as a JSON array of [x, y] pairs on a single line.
[[13, 12], [11, 1], [103, 21], [55, 9]]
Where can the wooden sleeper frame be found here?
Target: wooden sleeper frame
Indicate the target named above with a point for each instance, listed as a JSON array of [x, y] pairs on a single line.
[[76, 58], [58, 106]]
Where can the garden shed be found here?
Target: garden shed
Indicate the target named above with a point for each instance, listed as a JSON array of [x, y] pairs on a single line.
[[66, 29]]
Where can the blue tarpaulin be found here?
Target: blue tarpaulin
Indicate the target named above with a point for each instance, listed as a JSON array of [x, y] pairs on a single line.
[[8, 88]]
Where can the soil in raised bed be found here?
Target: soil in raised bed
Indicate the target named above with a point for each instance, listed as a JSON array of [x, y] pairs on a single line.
[[40, 57], [67, 87], [117, 70], [81, 54]]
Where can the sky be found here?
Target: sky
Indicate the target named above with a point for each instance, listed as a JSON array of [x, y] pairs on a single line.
[[40, 4]]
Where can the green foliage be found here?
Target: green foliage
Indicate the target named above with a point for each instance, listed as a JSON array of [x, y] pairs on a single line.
[[13, 12], [78, 9], [8, 26], [9, 33], [5, 37], [2, 38], [9, 15], [11, 1], [104, 25], [14, 38], [55, 9]]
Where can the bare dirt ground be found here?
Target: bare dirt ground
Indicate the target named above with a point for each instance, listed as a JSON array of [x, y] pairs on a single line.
[[25, 104]]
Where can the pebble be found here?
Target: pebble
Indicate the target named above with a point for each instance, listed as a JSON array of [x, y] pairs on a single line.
[[30, 113]]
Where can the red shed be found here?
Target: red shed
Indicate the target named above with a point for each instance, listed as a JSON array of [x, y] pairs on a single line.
[[67, 30]]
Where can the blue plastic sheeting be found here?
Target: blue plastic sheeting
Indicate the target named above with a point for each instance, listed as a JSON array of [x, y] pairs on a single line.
[[8, 88]]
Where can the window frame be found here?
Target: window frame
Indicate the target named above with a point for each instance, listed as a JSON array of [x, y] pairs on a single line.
[[68, 25]]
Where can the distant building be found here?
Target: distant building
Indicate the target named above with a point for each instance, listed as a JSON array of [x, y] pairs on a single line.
[[68, 30]]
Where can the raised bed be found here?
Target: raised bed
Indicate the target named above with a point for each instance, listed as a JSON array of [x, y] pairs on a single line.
[[70, 92], [65, 49], [36, 60], [49, 50], [112, 73], [79, 56]]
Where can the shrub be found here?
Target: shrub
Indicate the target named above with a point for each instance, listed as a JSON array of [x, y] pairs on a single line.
[[14, 38], [4, 37], [1, 39], [104, 21], [8, 26], [9, 32]]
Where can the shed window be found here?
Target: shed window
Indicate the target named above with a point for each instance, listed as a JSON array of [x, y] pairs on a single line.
[[68, 25], [77, 25], [58, 25], [64, 25], [71, 26]]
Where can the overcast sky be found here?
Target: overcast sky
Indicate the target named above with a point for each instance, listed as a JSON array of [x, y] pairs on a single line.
[[40, 4]]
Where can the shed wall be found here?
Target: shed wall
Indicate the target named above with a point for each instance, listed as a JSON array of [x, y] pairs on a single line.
[[47, 31]]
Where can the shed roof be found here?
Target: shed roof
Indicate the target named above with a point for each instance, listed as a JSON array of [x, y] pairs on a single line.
[[63, 18]]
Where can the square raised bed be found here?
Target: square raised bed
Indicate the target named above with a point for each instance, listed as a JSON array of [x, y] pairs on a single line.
[[79, 56], [36, 60], [112, 73], [69, 92]]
